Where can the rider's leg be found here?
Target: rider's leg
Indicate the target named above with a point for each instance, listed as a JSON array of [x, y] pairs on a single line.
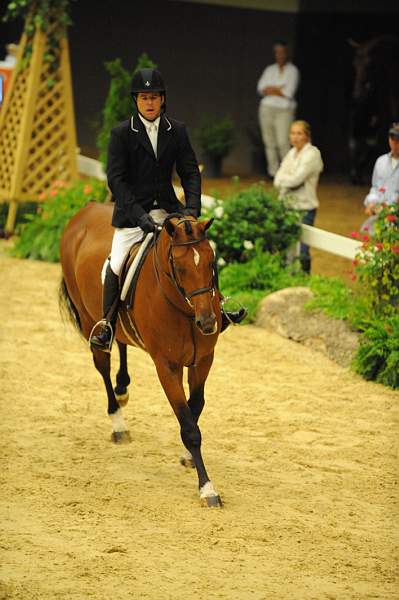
[[103, 340], [121, 243]]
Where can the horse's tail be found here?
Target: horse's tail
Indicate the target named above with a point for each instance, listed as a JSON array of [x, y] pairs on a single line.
[[67, 308]]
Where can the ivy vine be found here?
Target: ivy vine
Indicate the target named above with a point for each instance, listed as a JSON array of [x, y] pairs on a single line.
[[51, 17]]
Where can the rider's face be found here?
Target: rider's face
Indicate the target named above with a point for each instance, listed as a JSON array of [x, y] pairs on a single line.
[[149, 105], [394, 146]]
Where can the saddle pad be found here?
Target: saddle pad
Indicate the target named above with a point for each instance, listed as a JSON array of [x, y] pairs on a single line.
[[135, 263]]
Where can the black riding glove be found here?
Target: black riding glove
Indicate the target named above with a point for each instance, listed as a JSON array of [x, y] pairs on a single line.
[[147, 223], [189, 212]]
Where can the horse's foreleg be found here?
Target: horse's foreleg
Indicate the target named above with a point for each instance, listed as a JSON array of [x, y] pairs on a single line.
[[196, 380], [122, 377], [120, 432], [171, 379]]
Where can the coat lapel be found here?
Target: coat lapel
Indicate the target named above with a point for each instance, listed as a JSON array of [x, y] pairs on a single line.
[[138, 128], [164, 135]]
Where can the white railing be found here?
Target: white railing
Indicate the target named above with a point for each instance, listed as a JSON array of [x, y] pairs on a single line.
[[312, 236]]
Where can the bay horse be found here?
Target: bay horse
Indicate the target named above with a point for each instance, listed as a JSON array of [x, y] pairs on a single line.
[[175, 317]]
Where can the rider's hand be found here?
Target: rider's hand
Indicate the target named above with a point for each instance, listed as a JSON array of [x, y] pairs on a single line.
[[147, 223]]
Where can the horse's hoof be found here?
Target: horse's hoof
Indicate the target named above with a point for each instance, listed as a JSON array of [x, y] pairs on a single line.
[[121, 437], [209, 497], [122, 399], [212, 502], [187, 461]]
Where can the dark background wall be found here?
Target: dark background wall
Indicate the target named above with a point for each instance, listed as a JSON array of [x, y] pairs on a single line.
[[211, 58]]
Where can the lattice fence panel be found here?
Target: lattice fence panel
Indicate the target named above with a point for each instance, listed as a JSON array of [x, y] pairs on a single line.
[[10, 132], [37, 126]]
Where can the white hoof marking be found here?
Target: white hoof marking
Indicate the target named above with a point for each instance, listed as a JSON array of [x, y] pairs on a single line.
[[118, 422], [208, 491]]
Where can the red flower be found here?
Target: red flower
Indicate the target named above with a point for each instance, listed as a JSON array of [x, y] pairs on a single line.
[[353, 277], [395, 249], [366, 238], [382, 190], [355, 235], [392, 218], [379, 246]]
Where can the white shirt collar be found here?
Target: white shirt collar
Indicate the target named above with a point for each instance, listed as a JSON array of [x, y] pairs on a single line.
[[150, 124]]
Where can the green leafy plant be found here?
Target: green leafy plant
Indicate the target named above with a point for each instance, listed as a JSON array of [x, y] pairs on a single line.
[[377, 262], [119, 104], [215, 136], [39, 237], [250, 221], [378, 355], [249, 283], [49, 16], [337, 300]]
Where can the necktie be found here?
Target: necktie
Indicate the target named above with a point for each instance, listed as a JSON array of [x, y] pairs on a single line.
[[153, 135]]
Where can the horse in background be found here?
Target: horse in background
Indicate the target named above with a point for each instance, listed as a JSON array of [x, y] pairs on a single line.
[[374, 102]]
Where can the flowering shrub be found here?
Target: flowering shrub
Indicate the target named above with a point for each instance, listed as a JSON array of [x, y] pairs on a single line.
[[40, 236], [377, 262], [251, 221], [376, 268]]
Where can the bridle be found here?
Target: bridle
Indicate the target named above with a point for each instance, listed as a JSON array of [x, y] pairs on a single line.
[[187, 296]]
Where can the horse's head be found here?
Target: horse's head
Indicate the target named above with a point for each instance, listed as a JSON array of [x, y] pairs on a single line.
[[191, 267]]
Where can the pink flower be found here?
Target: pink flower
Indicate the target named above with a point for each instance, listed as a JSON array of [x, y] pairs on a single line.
[[87, 189], [355, 235], [379, 246], [366, 238]]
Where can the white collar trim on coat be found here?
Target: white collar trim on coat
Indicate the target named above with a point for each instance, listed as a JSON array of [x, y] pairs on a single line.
[[136, 130]]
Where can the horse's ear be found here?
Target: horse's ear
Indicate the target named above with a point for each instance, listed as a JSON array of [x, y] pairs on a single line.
[[208, 223], [170, 228]]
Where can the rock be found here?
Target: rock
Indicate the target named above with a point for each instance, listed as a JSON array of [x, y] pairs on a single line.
[[283, 312]]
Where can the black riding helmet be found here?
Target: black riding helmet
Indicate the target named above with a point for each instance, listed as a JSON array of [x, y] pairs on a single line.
[[148, 80]]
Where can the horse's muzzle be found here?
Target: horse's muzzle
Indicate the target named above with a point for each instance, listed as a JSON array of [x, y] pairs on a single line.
[[207, 325]]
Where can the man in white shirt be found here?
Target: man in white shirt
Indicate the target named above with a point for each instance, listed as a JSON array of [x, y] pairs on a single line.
[[385, 182], [277, 86]]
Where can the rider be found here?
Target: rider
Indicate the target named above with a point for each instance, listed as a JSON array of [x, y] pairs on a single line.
[[142, 152]]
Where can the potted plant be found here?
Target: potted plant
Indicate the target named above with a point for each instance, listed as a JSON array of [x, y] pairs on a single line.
[[216, 138]]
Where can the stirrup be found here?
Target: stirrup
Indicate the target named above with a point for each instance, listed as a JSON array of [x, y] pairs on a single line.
[[104, 324], [239, 306]]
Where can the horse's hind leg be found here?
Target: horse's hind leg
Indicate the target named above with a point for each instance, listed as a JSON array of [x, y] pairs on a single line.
[[122, 377], [120, 432]]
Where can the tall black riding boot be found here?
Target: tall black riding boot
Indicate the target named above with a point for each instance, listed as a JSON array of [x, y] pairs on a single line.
[[103, 341]]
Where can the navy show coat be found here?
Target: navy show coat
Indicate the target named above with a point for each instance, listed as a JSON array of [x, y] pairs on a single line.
[[137, 178]]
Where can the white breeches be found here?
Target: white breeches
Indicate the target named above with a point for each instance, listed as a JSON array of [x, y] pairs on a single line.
[[125, 237]]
